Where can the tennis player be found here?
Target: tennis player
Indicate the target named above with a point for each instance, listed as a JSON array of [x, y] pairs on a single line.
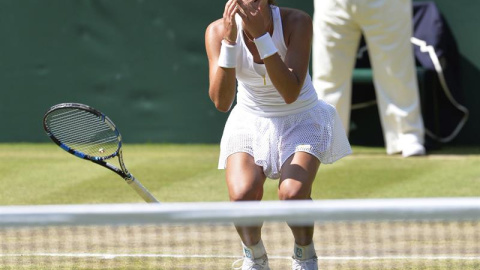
[[278, 127]]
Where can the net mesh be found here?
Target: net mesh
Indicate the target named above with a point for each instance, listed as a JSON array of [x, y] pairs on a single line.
[[151, 237], [83, 131]]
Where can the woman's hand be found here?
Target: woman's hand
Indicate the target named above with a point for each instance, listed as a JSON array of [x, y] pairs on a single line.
[[253, 19], [229, 23]]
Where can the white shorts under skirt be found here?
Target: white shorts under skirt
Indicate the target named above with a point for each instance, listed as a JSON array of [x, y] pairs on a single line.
[[271, 141]]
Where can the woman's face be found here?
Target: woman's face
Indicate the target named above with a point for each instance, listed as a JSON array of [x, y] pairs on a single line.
[[260, 5], [255, 3]]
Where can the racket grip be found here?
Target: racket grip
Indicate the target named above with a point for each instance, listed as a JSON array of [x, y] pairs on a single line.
[[141, 190]]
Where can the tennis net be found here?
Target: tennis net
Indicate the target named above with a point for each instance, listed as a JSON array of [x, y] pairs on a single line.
[[349, 234]]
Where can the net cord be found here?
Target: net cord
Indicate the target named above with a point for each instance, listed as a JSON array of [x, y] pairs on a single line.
[[434, 209]]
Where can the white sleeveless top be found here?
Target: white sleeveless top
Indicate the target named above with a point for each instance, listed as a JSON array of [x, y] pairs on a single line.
[[255, 91]]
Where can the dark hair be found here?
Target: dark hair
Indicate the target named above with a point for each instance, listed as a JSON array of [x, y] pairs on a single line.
[[272, 2]]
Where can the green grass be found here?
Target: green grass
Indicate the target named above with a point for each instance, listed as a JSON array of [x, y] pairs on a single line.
[[45, 174]]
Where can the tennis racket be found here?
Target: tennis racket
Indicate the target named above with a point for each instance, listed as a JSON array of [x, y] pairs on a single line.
[[89, 134]]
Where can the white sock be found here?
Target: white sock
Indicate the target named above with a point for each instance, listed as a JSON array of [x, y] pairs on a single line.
[[255, 251], [304, 252]]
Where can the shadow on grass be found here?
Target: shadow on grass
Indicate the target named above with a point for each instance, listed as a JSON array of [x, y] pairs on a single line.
[[444, 150], [456, 150]]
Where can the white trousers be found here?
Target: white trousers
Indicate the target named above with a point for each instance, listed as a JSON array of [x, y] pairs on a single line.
[[387, 28]]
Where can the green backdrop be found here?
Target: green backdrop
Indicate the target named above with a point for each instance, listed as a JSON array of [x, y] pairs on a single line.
[[143, 63]]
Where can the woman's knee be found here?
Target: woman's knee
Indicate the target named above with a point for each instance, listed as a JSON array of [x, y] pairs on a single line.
[[251, 195], [246, 193], [293, 191]]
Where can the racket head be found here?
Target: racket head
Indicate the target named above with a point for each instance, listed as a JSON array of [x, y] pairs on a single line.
[[82, 131]]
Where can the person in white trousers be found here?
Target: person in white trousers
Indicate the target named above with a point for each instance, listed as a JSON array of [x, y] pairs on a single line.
[[387, 28]]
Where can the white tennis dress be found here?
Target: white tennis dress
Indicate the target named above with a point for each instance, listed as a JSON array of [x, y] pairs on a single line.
[[264, 126]]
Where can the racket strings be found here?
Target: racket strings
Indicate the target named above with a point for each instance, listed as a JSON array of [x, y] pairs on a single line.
[[61, 124], [84, 132]]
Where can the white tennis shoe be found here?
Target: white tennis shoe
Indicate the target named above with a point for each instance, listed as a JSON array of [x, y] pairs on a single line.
[[414, 149], [311, 264], [252, 264]]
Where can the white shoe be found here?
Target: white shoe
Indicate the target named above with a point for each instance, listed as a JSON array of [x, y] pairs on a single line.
[[253, 264], [311, 264], [414, 149]]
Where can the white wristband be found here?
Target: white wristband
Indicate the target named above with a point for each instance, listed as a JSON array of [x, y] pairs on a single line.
[[265, 46], [228, 55]]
